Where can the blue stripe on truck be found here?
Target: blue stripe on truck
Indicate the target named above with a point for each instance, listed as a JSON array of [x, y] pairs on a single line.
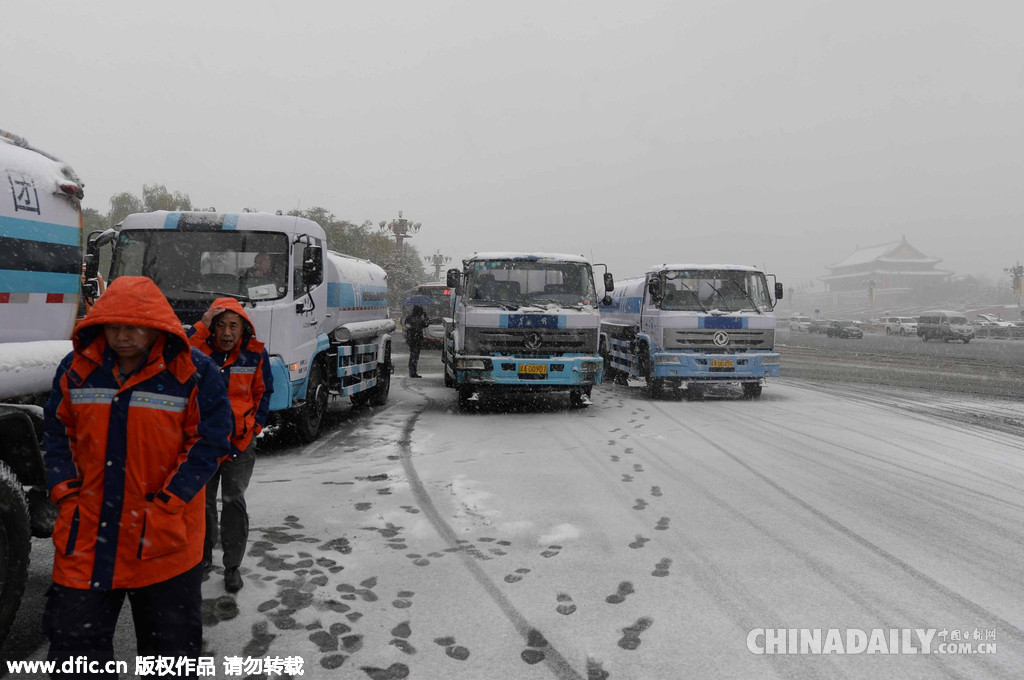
[[47, 232], [532, 321], [39, 282], [728, 323]]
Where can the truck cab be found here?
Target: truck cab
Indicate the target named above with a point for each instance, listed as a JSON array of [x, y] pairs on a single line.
[[322, 316], [523, 322], [690, 325]]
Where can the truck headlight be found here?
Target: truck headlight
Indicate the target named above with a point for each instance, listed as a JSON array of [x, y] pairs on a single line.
[[771, 361], [666, 359], [470, 364]]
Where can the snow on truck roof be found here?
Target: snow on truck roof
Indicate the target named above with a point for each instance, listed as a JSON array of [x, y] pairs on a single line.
[[45, 168], [531, 257], [245, 221], [734, 267]]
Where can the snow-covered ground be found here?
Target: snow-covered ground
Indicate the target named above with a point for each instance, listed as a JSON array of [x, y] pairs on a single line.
[[633, 539]]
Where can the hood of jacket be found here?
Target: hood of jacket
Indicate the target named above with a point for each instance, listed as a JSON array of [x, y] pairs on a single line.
[[131, 301], [232, 305]]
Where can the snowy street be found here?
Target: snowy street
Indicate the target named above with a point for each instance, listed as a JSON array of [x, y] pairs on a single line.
[[632, 539], [635, 538]]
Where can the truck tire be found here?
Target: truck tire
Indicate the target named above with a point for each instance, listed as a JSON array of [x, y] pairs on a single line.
[[379, 392], [15, 547], [752, 390], [309, 417], [655, 386], [464, 403], [576, 398]]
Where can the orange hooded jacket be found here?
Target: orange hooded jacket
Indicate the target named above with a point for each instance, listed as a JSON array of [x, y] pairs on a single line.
[[128, 463], [246, 372]]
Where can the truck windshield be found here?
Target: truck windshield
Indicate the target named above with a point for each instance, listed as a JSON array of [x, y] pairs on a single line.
[[725, 289], [517, 283], [194, 265]]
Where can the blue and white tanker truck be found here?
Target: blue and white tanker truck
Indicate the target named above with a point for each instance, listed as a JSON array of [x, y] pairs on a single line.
[[323, 316], [523, 322], [40, 281], [691, 325]]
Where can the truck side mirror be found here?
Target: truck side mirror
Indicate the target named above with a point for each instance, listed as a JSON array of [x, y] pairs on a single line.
[[655, 289], [609, 282], [96, 240], [312, 266], [454, 280], [778, 291]]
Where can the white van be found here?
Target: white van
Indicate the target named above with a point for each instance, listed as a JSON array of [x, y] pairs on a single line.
[[900, 325], [945, 326]]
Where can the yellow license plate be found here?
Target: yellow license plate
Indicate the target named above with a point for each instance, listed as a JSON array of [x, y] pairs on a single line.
[[723, 363], [534, 369]]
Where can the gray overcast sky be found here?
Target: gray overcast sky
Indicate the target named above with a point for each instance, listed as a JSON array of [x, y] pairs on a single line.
[[777, 133]]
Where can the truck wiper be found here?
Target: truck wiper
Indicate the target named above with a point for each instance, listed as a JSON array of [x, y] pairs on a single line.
[[745, 293], [721, 297], [696, 298], [237, 296]]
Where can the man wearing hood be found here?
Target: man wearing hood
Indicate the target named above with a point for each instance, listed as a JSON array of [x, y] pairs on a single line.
[[227, 336], [135, 425]]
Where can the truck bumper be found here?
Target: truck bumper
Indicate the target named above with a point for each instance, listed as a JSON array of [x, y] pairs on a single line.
[[555, 374], [689, 366]]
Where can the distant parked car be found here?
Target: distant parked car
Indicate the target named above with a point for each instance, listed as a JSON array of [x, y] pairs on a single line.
[[993, 321], [900, 325], [818, 326], [844, 328], [799, 323]]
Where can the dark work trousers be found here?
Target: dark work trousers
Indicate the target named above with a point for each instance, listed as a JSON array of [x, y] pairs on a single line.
[[167, 616], [233, 478], [414, 357]]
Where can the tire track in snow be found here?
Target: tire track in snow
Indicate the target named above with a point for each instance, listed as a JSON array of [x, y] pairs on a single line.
[[552, 658], [852, 535]]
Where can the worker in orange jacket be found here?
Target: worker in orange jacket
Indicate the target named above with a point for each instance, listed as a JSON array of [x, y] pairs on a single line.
[[134, 427], [227, 336]]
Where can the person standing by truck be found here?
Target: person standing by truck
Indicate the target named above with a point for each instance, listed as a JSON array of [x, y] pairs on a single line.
[[414, 325], [134, 427], [227, 336]]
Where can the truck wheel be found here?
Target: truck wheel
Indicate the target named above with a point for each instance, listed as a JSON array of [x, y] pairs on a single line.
[[655, 386], [311, 414], [464, 403], [576, 398], [752, 390], [42, 510], [379, 392], [15, 547]]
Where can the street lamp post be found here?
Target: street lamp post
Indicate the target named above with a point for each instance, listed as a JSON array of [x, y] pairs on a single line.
[[1017, 273], [437, 260], [401, 228]]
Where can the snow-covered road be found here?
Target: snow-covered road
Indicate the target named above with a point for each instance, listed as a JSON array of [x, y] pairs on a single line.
[[633, 539]]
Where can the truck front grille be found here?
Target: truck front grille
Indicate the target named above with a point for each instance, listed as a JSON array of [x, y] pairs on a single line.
[[531, 341], [704, 339]]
